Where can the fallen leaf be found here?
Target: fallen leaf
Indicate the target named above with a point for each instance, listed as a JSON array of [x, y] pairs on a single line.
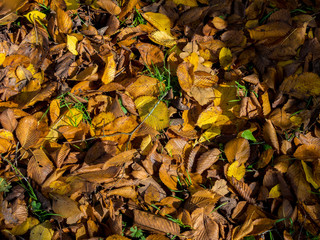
[[238, 149], [72, 44], [42, 231], [236, 170], [153, 112]]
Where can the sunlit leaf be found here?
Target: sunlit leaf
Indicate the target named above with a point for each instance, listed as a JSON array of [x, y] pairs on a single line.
[[225, 57], [153, 112], [34, 16], [42, 231], [160, 21], [72, 44], [110, 70], [236, 170]]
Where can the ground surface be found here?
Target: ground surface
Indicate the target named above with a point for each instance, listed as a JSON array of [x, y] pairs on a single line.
[[170, 119]]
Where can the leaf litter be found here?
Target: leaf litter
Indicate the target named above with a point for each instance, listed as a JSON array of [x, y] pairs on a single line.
[[167, 119]]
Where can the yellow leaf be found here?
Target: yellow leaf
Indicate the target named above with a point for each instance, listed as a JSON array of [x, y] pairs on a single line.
[[42, 231], [190, 3], [209, 134], [225, 57], [34, 16], [146, 145], [159, 21], [60, 187], [73, 117], [193, 58], [302, 86], [158, 118], [2, 58], [308, 172], [25, 226], [72, 4], [110, 70], [72, 44], [208, 117], [163, 38], [236, 171], [102, 119], [275, 192]]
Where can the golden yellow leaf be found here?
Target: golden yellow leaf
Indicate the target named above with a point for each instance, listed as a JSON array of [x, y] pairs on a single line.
[[117, 237], [60, 187], [209, 134], [64, 21], [275, 192], [73, 117], [102, 119], [238, 149], [302, 86], [190, 3], [225, 57], [236, 171], [146, 145], [208, 117], [25, 226], [2, 58], [163, 38], [159, 21], [54, 109], [193, 58], [309, 176], [5, 145], [144, 85], [128, 7], [110, 70], [34, 16], [42, 231], [72, 44], [72, 4], [155, 112]]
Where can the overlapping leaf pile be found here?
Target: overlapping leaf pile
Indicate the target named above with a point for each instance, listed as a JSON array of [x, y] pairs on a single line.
[[193, 119]]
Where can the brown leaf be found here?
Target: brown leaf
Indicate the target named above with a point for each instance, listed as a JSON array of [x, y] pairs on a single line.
[[120, 159], [243, 189], [206, 160], [237, 149], [298, 182], [66, 207], [157, 237], [8, 120], [150, 54], [205, 227], [185, 76], [126, 192], [64, 21], [39, 166], [270, 135], [155, 223], [109, 6], [27, 132]]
